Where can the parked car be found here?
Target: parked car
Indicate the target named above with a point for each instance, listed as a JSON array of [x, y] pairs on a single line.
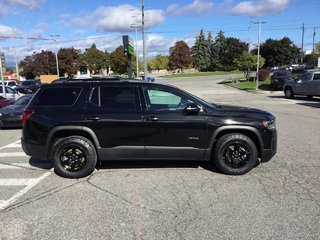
[[308, 84], [279, 77], [11, 116], [4, 102], [11, 83], [29, 86], [11, 94], [137, 120]]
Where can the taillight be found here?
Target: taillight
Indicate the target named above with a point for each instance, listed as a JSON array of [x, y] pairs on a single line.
[[27, 114]]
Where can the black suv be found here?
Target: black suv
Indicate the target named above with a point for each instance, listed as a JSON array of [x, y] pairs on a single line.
[[279, 77], [28, 86], [76, 124]]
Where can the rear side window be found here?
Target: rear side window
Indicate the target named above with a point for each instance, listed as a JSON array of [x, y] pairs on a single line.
[[115, 98], [57, 97]]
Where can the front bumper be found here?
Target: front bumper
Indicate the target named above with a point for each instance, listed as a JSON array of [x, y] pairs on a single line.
[[267, 154]]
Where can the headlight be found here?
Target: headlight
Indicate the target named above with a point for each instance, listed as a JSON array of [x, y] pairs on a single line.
[[269, 124], [0, 114]]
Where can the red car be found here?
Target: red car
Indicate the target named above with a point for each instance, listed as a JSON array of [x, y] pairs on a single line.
[[4, 102]]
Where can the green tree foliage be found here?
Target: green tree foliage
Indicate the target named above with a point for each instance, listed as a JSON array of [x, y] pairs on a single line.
[[202, 52], [214, 56], [248, 62], [311, 59], [279, 52], [159, 62], [94, 59], [219, 49], [179, 56], [38, 64], [119, 61], [233, 49], [69, 61]]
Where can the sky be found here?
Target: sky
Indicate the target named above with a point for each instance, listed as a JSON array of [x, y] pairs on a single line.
[[79, 23]]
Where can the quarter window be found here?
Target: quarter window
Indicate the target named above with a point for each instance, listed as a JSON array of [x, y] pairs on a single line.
[[58, 97]]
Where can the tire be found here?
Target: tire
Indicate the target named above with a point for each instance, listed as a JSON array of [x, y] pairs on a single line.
[[73, 157], [235, 154], [288, 93]]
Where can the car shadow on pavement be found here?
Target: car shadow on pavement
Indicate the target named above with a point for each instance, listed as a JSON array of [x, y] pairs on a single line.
[[41, 164], [302, 98], [314, 104], [150, 164], [46, 164]]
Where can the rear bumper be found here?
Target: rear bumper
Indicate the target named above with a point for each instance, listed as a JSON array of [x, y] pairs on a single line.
[[35, 150]]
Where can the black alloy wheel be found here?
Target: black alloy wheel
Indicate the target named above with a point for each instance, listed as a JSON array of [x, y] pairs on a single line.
[[235, 154], [73, 157]]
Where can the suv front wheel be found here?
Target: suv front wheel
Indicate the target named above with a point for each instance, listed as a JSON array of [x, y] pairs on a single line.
[[235, 154], [74, 157]]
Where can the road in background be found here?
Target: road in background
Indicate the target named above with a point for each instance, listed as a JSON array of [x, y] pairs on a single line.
[[134, 200]]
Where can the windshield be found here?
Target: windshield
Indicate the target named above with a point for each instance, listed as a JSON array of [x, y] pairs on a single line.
[[27, 83], [22, 101]]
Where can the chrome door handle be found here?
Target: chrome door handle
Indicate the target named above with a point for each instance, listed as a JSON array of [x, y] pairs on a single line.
[[93, 118], [152, 119]]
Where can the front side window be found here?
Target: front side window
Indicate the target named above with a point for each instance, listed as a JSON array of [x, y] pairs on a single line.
[[316, 76], [163, 100]]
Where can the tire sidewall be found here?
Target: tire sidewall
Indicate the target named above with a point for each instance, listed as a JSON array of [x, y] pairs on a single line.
[[288, 93], [224, 142], [85, 146]]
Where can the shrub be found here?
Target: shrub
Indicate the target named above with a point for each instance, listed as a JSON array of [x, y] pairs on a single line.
[[264, 74]]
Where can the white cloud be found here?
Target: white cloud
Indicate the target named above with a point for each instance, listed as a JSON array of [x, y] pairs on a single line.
[[260, 7], [31, 4], [196, 7], [117, 19], [6, 31]]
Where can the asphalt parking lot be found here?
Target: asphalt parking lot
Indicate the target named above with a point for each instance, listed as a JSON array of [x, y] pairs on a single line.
[[276, 200]]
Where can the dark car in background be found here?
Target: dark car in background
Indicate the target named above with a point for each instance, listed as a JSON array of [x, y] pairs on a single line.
[[4, 101], [29, 86], [279, 77], [11, 115]]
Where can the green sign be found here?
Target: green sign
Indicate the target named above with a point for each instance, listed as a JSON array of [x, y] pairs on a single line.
[[128, 45]]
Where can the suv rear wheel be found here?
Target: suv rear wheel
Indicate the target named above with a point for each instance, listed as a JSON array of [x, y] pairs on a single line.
[[74, 157], [235, 154]]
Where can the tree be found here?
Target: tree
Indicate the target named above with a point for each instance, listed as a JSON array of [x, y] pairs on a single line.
[[69, 61], [214, 56], [219, 49], [179, 56], [202, 52], [279, 52], [94, 59], [38, 64], [119, 60], [247, 62], [159, 62], [233, 49]]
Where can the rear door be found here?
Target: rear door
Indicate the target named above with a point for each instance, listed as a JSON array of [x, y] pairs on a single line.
[[114, 114], [169, 132]]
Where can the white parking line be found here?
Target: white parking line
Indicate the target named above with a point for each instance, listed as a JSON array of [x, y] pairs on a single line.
[[45, 165], [11, 145], [13, 154], [30, 183]]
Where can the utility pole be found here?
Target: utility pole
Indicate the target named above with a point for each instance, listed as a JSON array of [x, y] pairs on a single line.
[[302, 43], [313, 38], [136, 48], [55, 41], [2, 79], [259, 35], [15, 55], [144, 43]]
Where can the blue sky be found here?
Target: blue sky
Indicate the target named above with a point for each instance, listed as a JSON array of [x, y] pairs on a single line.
[[81, 22]]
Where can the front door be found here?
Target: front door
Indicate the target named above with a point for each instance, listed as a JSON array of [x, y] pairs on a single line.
[[169, 132], [315, 85]]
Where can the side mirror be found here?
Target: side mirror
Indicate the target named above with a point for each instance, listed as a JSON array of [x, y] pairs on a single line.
[[299, 81], [191, 108]]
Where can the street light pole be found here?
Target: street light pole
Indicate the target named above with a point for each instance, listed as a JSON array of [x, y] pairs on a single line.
[[2, 79], [55, 41], [15, 55], [143, 42], [259, 35], [136, 48]]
